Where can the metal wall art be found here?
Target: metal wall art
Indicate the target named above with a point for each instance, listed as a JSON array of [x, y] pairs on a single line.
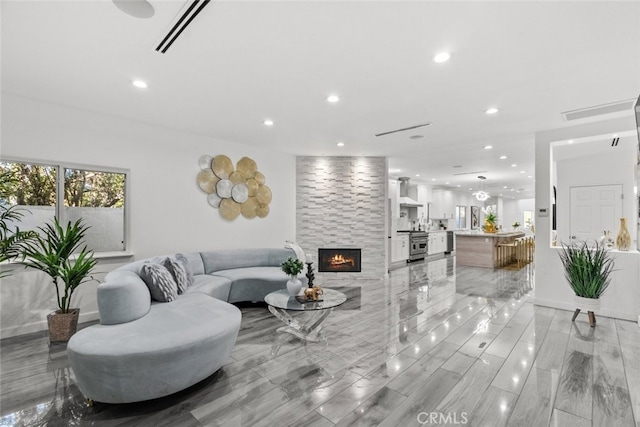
[[234, 191]]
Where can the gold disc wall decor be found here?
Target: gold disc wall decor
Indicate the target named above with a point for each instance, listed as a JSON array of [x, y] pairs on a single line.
[[234, 191], [252, 186], [259, 177], [247, 166], [263, 195], [207, 181], [237, 177], [222, 166], [263, 211], [249, 209], [229, 209]]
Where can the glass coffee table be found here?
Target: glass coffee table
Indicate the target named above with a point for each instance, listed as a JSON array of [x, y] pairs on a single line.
[[281, 303]]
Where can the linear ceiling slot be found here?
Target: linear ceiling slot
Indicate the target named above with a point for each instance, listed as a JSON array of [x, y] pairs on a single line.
[[192, 11], [403, 129], [599, 110]]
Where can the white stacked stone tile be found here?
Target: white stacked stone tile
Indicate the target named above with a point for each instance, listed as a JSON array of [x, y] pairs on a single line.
[[341, 204]]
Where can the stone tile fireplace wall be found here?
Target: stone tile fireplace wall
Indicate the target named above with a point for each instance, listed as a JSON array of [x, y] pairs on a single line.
[[341, 203]]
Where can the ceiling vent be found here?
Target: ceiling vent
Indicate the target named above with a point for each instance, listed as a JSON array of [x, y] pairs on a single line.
[[182, 22], [403, 129], [599, 110], [469, 173]]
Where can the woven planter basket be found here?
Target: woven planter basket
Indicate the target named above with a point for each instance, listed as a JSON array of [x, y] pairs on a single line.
[[62, 325]]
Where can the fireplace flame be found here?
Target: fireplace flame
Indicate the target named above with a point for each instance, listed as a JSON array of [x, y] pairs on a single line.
[[339, 260]]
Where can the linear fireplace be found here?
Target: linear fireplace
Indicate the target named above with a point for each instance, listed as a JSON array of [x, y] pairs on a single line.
[[340, 260]]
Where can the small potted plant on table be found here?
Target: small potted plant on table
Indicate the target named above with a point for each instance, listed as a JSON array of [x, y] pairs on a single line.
[[588, 271], [292, 267]]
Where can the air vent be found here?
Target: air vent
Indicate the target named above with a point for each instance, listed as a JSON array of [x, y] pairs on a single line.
[[469, 173], [194, 8], [599, 110], [403, 129]]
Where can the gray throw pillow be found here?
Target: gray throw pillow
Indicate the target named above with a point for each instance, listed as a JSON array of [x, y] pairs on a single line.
[[183, 259], [159, 281], [178, 271]]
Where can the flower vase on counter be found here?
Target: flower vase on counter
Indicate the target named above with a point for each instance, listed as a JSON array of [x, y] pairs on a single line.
[[623, 239]]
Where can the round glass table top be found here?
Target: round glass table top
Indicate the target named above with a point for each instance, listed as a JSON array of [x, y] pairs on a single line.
[[281, 299]]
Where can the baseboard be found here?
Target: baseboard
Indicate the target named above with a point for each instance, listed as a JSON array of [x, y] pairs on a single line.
[[14, 331], [570, 306]]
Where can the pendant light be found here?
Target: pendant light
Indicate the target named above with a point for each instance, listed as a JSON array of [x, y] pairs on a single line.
[[481, 195]]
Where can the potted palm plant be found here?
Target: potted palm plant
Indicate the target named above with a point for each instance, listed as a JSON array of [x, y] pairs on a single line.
[[292, 267], [588, 270], [57, 252]]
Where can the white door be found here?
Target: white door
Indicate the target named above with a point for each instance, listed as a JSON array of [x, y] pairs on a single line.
[[593, 210]]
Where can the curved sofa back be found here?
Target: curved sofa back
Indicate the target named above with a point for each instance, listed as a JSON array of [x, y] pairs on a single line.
[[219, 260], [124, 297]]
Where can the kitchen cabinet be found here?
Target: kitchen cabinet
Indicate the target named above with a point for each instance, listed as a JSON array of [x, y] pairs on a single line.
[[437, 242], [400, 247], [443, 205]]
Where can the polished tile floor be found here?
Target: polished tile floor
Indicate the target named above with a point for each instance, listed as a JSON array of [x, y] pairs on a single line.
[[435, 344]]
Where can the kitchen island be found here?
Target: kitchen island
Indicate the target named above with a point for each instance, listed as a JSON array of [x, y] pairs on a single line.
[[479, 249]]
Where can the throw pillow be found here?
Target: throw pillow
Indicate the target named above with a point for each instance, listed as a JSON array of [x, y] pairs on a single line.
[[159, 281], [178, 271], [185, 262], [297, 249]]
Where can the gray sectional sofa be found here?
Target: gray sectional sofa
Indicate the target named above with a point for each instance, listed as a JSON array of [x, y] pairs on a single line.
[[143, 349]]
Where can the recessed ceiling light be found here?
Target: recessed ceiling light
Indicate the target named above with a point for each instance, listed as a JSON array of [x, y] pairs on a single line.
[[140, 84], [417, 174], [505, 187], [458, 185], [615, 135], [513, 165], [333, 98], [488, 147], [470, 188], [523, 171], [447, 182], [433, 179], [530, 176], [442, 57], [503, 157], [571, 141], [340, 144], [268, 122], [491, 110]]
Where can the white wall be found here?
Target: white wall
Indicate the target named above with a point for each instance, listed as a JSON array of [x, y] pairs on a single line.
[[168, 212], [582, 171], [622, 300]]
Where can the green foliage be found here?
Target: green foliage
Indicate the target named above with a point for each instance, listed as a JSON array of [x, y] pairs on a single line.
[[11, 238], [587, 269], [54, 253], [491, 218], [292, 266]]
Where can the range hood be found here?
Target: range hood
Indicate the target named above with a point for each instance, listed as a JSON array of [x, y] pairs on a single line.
[[405, 200]]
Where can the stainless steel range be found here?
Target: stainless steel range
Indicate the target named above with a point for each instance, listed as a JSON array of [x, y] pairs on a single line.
[[417, 245]]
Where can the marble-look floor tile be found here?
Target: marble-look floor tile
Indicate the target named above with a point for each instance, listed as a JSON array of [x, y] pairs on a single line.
[[575, 391], [374, 410], [633, 381], [561, 418], [467, 393], [552, 351], [418, 373], [424, 400], [459, 363], [535, 404], [502, 345], [493, 409], [515, 369]]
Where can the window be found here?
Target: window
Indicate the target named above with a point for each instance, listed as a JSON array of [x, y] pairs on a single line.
[[461, 217], [70, 192]]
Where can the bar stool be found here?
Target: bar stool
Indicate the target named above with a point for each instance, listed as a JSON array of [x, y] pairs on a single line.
[[506, 253]]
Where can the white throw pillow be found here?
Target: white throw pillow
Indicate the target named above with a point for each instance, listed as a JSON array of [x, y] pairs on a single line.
[[297, 249]]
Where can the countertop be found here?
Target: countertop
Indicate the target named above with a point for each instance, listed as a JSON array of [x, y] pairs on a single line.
[[483, 234]]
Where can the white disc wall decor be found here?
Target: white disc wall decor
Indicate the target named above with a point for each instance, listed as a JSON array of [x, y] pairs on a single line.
[[205, 161], [223, 188], [240, 193], [214, 200]]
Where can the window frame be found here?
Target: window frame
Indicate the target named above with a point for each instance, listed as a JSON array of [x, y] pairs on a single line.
[[59, 210]]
